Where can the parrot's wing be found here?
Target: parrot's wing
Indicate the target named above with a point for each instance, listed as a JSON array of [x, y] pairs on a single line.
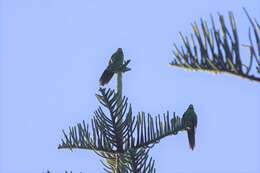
[[106, 77]]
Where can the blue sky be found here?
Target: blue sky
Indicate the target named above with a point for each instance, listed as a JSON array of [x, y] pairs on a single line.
[[53, 53]]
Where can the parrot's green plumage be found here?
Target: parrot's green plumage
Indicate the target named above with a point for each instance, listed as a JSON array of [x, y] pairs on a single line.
[[114, 65], [116, 60], [189, 122]]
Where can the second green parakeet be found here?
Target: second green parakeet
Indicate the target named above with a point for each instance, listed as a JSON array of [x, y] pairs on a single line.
[[189, 122]]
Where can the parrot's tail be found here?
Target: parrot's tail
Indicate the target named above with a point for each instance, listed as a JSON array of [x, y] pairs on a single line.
[[191, 137], [105, 77]]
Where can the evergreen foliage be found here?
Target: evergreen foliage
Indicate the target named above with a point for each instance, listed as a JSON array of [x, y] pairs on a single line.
[[218, 50]]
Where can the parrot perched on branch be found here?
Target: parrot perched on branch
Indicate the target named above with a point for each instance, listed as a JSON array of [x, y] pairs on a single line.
[[116, 64], [189, 122]]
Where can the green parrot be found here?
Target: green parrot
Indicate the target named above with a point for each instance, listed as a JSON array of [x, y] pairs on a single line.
[[189, 122], [114, 65]]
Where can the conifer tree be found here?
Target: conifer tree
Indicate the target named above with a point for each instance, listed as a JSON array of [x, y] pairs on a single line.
[[122, 140]]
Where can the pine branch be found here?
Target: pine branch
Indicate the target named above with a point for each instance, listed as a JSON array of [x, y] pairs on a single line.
[[79, 137], [140, 131], [254, 49], [150, 131], [140, 161], [217, 50], [132, 161], [120, 132], [108, 132], [115, 163]]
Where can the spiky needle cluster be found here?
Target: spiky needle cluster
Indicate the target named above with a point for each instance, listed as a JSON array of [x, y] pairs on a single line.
[[121, 139], [218, 50]]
